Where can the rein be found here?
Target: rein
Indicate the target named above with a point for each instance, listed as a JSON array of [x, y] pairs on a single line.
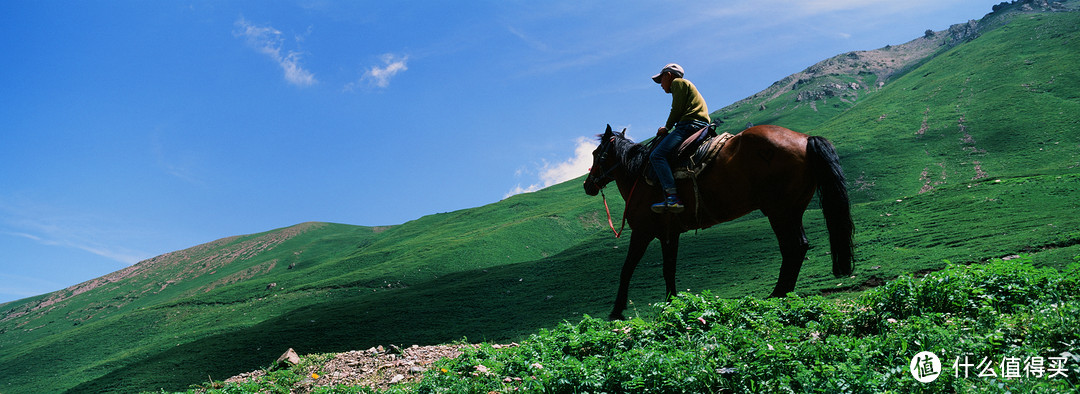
[[618, 234], [604, 176]]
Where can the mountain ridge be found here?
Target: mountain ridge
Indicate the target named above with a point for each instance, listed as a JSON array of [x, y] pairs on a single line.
[[852, 76]]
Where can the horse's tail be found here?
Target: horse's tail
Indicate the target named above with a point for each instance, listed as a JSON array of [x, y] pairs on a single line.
[[825, 165]]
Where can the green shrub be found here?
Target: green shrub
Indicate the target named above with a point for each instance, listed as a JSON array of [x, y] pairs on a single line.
[[701, 343]]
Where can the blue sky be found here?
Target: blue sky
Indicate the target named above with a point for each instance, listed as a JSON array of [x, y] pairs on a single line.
[[129, 129]]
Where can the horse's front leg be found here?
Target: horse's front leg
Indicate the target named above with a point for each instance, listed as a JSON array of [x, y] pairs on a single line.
[[639, 242], [670, 246]]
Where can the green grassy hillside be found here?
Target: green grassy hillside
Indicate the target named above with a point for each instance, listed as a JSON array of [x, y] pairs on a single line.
[[1006, 311], [1003, 105], [965, 156], [211, 310], [806, 99]]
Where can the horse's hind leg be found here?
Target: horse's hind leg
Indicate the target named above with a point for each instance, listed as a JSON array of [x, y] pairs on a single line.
[[793, 246], [671, 256]]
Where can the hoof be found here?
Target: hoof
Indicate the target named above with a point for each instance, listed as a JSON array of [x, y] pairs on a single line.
[[842, 274], [616, 317]]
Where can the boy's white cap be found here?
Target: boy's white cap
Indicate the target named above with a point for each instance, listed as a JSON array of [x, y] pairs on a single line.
[[674, 68]]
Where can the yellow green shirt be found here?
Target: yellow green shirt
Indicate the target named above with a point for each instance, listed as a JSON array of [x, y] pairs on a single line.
[[686, 103]]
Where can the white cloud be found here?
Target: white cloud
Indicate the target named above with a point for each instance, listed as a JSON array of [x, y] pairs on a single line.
[[380, 76], [267, 41], [809, 8], [45, 226], [53, 235], [553, 174], [532, 42], [178, 164], [25, 286]]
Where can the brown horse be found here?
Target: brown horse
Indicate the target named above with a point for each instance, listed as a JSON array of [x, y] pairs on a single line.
[[769, 168]]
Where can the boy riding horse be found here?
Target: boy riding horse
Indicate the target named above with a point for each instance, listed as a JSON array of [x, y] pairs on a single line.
[[688, 115]]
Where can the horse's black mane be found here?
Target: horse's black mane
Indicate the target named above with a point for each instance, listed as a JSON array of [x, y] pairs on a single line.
[[634, 155]]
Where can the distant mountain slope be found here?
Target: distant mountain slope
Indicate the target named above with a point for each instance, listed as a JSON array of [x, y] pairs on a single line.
[[804, 100], [1003, 105], [831, 86], [971, 153], [238, 289]]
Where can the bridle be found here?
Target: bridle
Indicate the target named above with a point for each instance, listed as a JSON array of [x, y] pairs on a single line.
[[600, 157], [601, 181]]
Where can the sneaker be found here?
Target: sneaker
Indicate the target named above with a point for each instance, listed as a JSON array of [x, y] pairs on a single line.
[[671, 204]]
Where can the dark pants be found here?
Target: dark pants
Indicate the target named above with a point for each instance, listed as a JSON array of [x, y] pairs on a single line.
[[665, 149]]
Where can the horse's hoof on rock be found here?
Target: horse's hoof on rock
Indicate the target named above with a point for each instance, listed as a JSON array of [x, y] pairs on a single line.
[[616, 317]]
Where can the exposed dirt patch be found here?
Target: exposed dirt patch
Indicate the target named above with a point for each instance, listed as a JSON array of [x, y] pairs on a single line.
[[867, 284], [241, 276], [188, 263], [376, 367], [590, 220]]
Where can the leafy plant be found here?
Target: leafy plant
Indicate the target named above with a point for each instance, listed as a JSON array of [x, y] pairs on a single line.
[[703, 343]]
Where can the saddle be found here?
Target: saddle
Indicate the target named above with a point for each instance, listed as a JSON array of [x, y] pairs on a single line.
[[691, 143], [694, 155]]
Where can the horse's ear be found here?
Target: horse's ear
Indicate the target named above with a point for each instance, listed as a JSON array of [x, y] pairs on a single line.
[[623, 134], [608, 130]]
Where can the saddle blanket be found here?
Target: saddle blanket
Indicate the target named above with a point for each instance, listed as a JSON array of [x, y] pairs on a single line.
[[697, 162]]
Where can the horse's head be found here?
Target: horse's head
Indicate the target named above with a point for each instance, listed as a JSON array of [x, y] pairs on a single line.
[[604, 163]]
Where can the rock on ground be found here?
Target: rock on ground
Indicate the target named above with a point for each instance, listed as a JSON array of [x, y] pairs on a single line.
[[376, 367]]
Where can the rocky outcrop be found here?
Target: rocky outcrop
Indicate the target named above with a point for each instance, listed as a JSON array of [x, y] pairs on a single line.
[[827, 90], [874, 68], [375, 368], [1030, 5], [287, 359], [962, 32]]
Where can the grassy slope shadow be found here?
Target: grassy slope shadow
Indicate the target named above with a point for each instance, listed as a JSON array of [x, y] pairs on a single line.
[[441, 311], [502, 303]]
